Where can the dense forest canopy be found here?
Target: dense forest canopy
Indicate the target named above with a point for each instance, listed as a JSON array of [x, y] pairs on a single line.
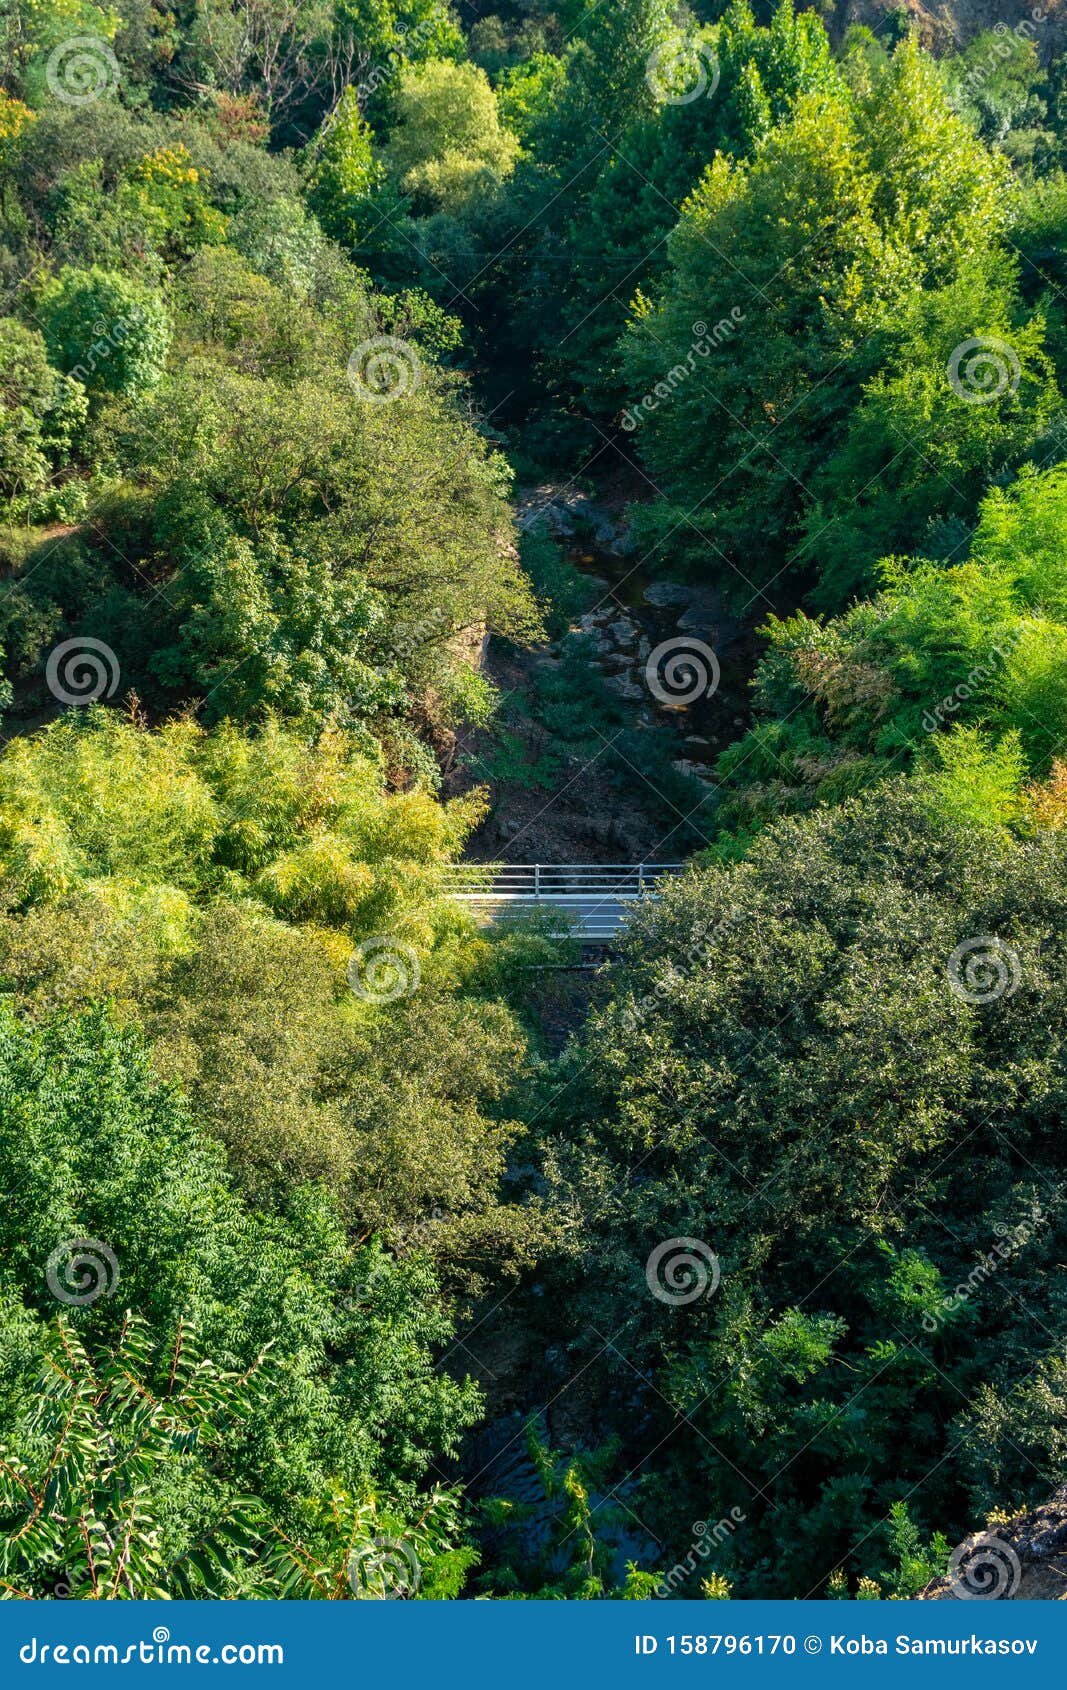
[[350, 1247]]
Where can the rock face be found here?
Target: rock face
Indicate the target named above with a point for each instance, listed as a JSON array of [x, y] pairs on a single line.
[[561, 510], [944, 24], [1024, 1559]]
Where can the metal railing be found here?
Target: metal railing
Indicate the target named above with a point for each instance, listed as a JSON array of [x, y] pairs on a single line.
[[594, 897]]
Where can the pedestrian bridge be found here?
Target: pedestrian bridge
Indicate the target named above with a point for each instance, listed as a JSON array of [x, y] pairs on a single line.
[[595, 898]]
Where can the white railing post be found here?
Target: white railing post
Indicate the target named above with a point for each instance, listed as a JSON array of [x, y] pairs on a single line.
[[537, 883]]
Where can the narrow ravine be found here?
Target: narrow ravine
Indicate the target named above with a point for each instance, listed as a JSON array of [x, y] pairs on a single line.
[[675, 661]]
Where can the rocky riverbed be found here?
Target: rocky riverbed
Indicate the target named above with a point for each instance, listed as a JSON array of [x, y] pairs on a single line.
[[670, 648], [673, 656]]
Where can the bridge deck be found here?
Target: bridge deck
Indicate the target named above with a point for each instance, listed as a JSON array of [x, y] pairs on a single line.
[[594, 898]]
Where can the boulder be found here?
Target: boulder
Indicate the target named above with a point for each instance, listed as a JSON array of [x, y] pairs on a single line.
[[667, 592], [1021, 1559], [625, 686]]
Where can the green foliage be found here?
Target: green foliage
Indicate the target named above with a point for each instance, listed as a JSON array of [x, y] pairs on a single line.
[[108, 332], [225, 883], [273, 630], [618, 237], [527, 92], [342, 174], [300, 547], [43, 412], [559, 584], [927, 438], [786, 1056], [994, 82], [575, 1526], [273, 306], [87, 1518], [978, 783], [831, 230], [959, 669], [118, 1160], [307, 830], [448, 145]]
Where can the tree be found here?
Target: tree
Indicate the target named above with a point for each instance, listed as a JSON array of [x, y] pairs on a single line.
[[830, 231], [274, 920], [108, 332], [627, 211], [270, 629], [42, 413], [14, 118], [449, 144], [974, 642], [88, 1519], [838, 1066], [969, 394], [119, 1201], [296, 543], [120, 1447], [402, 502], [994, 81], [342, 173]]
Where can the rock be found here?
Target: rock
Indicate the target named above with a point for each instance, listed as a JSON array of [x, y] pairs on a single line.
[[644, 647], [667, 592], [600, 829], [1021, 1559], [604, 529], [624, 685], [695, 622], [561, 510], [617, 660], [624, 540], [701, 614], [553, 508], [623, 632], [697, 741], [696, 771]]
